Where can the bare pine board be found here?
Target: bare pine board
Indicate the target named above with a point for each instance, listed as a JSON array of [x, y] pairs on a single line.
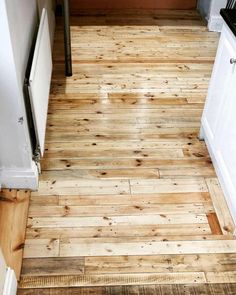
[[160, 263], [221, 208], [123, 220], [142, 199], [111, 280], [47, 266], [173, 289], [13, 217], [106, 210], [160, 231], [73, 247]]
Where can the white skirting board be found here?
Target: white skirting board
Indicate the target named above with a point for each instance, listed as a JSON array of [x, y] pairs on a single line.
[[215, 23], [3, 271], [10, 285], [20, 179], [222, 175]]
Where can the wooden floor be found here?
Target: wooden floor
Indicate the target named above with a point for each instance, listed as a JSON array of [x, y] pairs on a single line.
[[128, 193], [14, 206], [76, 6], [195, 289]]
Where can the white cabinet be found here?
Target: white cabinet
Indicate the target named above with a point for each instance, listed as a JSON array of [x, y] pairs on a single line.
[[219, 116], [219, 85], [227, 142]]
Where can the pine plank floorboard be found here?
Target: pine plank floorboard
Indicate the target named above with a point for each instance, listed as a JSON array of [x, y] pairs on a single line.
[[203, 289], [14, 206], [128, 194]]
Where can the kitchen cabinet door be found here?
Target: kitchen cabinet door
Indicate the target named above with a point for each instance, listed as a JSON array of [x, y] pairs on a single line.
[[219, 117], [218, 88], [226, 136]]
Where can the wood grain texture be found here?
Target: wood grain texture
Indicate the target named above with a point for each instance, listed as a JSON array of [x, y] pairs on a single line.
[[47, 266], [112, 280], [13, 218], [214, 224], [161, 231], [131, 4], [159, 263], [203, 289], [128, 194], [221, 208]]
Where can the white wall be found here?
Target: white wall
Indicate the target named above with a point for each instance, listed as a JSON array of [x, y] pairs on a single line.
[[23, 20], [216, 5], [210, 10], [215, 22], [204, 7], [17, 24]]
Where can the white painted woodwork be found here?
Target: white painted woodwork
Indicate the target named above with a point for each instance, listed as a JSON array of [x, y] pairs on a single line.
[[49, 5], [8, 283], [3, 269], [215, 21], [40, 79], [17, 26], [219, 117], [10, 286]]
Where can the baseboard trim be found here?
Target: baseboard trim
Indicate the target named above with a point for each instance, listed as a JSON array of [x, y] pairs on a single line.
[[20, 179], [215, 23], [10, 286], [222, 175]]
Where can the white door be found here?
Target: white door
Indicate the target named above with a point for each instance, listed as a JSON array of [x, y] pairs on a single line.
[[40, 79], [226, 138], [218, 87]]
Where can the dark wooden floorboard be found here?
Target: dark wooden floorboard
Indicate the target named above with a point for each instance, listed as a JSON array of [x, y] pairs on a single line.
[[199, 289]]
